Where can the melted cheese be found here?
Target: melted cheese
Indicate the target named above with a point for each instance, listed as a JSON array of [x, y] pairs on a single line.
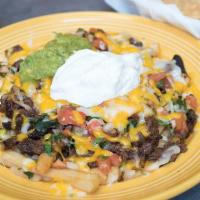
[[135, 97], [78, 117], [17, 80], [42, 99], [46, 84], [44, 102], [123, 140], [120, 120], [118, 110], [165, 98], [151, 97], [170, 116], [178, 86], [29, 88], [7, 83], [63, 189], [59, 188], [83, 144], [116, 48], [133, 132], [129, 165], [97, 110], [21, 137], [28, 164], [148, 60], [82, 161], [17, 56]]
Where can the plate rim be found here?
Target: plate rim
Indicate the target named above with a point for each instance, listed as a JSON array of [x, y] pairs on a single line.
[[172, 191]]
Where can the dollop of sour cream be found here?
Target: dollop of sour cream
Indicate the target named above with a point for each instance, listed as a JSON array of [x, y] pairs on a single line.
[[88, 78]]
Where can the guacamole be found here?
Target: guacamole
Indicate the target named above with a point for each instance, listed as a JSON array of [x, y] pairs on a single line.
[[44, 63]]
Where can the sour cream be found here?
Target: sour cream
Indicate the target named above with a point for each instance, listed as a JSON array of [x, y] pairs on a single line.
[[88, 78]]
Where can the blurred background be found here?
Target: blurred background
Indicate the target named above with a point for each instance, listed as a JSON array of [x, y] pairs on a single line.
[[15, 10]]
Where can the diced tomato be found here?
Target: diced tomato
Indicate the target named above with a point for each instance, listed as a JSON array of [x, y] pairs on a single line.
[[94, 125], [157, 77], [191, 101], [167, 83], [181, 126], [58, 164], [99, 44], [104, 165], [66, 132], [68, 115], [115, 160]]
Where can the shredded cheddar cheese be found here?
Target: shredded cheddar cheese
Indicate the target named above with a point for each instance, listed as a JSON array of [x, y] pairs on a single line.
[[17, 56], [134, 131], [21, 137], [170, 116], [7, 84]]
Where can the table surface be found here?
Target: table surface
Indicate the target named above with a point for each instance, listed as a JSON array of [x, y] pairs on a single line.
[[15, 10]]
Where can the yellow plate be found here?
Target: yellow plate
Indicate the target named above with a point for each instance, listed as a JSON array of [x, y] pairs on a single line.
[[164, 183]]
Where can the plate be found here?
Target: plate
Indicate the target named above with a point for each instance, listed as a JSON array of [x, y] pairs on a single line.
[[164, 183]]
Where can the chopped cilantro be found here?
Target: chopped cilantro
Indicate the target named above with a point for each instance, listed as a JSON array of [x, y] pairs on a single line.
[[92, 117], [43, 126], [70, 142], [180, 104], [133, 123], [166, 124], [97, 141], [29, 174], [48, 148], [101, 142], [56, 137], [161, 86], [42, 123]]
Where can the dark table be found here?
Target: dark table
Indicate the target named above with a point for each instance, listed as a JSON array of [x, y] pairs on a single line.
[[15, 10]]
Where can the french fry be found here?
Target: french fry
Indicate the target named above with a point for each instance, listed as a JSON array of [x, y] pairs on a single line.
[[102, 176], [12, 158], [84, 181], [113, 175], [58, 164], [44, 163]]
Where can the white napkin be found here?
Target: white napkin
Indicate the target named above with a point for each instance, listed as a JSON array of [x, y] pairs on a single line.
[[157, 10]]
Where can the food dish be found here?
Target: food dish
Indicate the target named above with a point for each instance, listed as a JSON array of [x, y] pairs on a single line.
[[114, 140], [115, 99]]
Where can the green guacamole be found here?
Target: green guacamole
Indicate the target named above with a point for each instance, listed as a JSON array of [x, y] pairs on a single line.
[[45, 62]]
